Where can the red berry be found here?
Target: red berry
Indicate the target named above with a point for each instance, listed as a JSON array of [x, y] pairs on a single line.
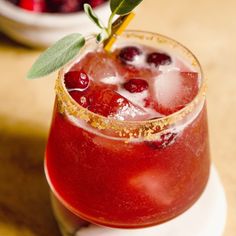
[[69, 6], [158, 59], [95, 3], [56, 2], [136, 85], [33, 5], [128, 54], [80, 98], [53, 5], [164, 140], [76, 80]]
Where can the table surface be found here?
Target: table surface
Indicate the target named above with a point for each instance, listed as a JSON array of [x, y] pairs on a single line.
[[207, 27]]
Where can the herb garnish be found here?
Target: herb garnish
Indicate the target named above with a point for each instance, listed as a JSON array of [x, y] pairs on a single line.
[[68, 47]]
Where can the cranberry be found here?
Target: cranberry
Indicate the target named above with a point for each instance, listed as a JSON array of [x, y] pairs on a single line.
[[69, 6], [158, 59], [128, 54], [53, 5], [33, 5], [165, 140], [136, 85], [63, 6], [95, 3], [56, 2], [80, 98], [76, 79]]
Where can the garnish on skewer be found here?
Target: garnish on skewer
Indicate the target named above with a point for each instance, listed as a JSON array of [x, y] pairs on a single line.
[[117, 28], [68, 47]]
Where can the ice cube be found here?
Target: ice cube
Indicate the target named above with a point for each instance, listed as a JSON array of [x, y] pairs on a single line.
[[150, 183], [99, 65], [102, 100], [174, 89], [109, 103]]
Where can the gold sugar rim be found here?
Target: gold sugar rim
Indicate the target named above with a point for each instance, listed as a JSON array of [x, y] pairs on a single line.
[[129, 129]]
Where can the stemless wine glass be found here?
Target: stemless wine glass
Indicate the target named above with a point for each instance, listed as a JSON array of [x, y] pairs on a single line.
[[113, 173]]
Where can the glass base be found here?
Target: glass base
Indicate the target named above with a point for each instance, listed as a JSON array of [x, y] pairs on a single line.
[[206, 217]]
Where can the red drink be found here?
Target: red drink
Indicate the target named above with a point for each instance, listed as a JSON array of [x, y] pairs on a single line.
[[128, 145]]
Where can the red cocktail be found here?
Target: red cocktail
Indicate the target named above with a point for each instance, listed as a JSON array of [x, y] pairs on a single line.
[[128, 145]]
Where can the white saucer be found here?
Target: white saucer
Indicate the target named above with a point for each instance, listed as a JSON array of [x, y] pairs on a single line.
[[206, 218]]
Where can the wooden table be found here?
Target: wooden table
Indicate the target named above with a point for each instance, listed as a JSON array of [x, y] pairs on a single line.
[[207, 27]]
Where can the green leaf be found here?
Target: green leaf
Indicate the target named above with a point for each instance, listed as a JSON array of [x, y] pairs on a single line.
[[91, 14], [123, 7], [57, 55], [103, 35]]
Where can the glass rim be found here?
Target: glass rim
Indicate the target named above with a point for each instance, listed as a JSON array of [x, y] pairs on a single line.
[[68, 104]]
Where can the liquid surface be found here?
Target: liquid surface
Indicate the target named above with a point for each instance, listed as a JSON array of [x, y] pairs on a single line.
[[133, 83]]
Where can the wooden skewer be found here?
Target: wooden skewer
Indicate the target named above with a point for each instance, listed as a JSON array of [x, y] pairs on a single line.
[[117, 29]]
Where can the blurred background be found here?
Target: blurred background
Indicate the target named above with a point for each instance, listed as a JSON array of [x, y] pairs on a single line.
[[207, 27]]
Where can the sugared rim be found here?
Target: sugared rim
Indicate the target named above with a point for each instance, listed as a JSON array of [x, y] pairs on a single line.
[[15, 13], [130, 129]]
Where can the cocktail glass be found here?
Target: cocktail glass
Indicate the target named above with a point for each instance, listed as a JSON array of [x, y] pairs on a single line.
[[126, 174]]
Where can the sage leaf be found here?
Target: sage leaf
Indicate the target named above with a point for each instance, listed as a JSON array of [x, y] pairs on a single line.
[[57, 56], [123, 7], [103, 35], [91, 14]]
